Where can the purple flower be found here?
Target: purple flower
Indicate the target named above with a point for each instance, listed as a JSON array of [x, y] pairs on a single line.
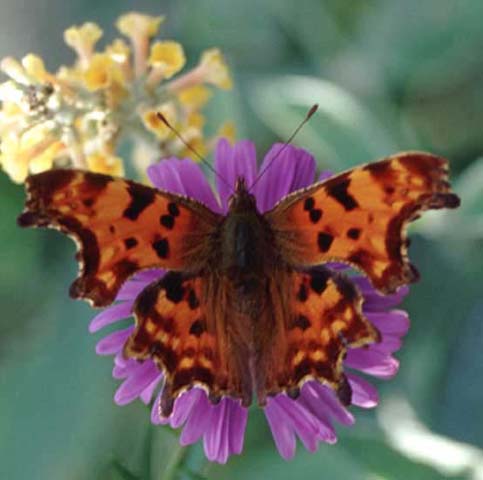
[[311, 417]]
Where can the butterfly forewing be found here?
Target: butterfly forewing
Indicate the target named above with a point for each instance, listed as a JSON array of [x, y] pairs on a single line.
[[120, 227], [360, 217]]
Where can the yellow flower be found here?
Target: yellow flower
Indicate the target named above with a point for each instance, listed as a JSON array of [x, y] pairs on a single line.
[[215, 69], [194, 97], [83, 39], [34, 151], [168, 57], [197, 144], [228, 131], [135, 24], [35, 67], [158, 127], [13, 68], [101, 73], [104, 163], [118, 50], [196, 120]]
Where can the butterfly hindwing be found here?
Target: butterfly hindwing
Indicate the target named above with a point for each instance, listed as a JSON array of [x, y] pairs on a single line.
[[323, 319], [360, 217], [120, 227], [175, 328]]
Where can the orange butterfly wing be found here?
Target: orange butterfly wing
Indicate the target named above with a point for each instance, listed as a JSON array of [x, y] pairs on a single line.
[[120, 227], [175, 327], [360, 216], [322, 318]]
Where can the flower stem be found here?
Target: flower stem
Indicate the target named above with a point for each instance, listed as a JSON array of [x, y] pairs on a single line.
[[175, 462]]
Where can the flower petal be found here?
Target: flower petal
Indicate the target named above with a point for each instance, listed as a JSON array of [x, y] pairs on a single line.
[[111, 315], [393, 322], [232, 162], [332, 404], [364, 394], [372, 362], [147, 394], [199, 420], [135, 384], [238, 422], [282, 431], [114, 342], [185, 177], [216, 444], [292, 168]]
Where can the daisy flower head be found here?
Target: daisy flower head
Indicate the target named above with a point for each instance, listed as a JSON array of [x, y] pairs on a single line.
[[80, 115], [310, 417]]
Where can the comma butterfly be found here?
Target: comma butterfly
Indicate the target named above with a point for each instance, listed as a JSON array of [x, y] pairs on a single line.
[[246, 307]]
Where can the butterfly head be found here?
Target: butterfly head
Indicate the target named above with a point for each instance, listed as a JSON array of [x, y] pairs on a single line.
[[241, 200]]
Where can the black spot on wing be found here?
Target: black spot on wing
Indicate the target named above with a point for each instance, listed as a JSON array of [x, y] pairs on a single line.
[[193, 301], [141, 198], [354, 233], [197, 328], [339, 192], [302, 294], [302, 322], [324, 240], [161, 247], [309, 204], [172, 283], [315, 215], [167, 221], [130, 242], [173, 209], [319, 279]]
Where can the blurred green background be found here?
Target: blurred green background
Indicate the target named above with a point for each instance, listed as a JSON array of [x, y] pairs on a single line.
[[389, 75]]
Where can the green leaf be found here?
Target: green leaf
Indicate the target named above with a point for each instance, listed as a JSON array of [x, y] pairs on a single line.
[[343, 133]]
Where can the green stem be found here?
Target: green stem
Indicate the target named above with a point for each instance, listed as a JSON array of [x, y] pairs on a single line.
[[174, 462]]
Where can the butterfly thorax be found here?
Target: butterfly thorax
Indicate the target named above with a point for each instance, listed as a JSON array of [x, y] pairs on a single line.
[[245, 239]]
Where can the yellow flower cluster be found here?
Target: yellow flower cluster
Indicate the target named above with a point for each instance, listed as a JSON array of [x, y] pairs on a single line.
[[79, 115]]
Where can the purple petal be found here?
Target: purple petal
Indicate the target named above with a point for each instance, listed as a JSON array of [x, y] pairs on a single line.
[[147, 393], [312, 403], [199, 420], [282, 431], [304, 424], [114, 342], [324, 175], [238, 422], [372, 362], [184, 177], [292, 169], [375, 301], [394, 322], [364, 394], [135, 384], [182, 407], [216, 443], [232, 162], [110, 315], [148, 276], [388, 345], [332, 404]]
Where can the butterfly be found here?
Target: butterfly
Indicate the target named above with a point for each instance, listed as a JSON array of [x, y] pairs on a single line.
[[247, 308]]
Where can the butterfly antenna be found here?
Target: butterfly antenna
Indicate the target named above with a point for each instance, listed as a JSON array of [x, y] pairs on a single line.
[[312, 110], [191, 149]]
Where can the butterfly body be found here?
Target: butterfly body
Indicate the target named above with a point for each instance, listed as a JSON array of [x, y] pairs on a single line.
[[246, 307]]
